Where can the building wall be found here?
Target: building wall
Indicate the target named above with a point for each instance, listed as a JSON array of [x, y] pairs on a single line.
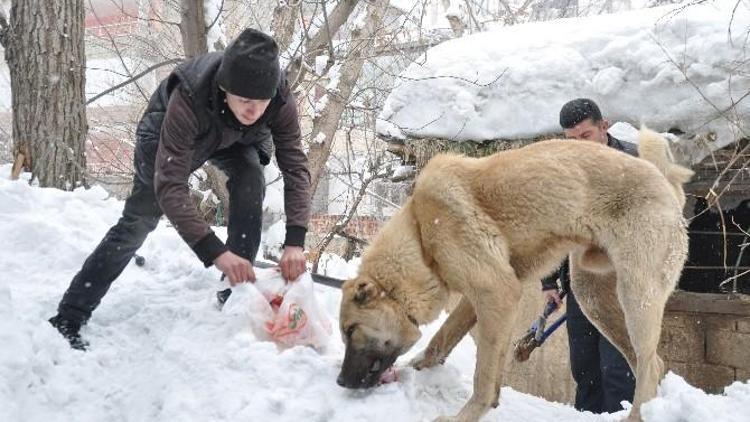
[[360, 226]]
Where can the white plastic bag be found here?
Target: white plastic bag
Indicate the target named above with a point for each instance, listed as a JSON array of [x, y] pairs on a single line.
[[299, 319], [286, 313], [251, 301]]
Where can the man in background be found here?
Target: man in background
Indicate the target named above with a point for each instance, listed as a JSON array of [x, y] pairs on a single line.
[[602, 374]]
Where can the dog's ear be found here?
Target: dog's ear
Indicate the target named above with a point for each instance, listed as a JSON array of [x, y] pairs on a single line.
[[366, 291]]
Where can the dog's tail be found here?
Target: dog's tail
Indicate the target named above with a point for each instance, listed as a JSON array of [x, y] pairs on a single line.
[[654, 148]]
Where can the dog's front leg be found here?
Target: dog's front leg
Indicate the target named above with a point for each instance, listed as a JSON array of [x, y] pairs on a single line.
[[459, 322], [496, 310]]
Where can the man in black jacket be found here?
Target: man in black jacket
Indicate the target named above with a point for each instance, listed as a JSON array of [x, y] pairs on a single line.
[[232, 109], [602, 375]]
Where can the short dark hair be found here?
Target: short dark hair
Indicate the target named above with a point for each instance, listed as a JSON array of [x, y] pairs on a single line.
[[578, 110]]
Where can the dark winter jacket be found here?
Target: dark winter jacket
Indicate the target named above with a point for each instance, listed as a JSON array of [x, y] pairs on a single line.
[[187, 120], [563, 273]]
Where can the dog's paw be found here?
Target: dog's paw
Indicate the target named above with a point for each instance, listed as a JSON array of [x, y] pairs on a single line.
[[425, 359], [633, 418], [446, 419]]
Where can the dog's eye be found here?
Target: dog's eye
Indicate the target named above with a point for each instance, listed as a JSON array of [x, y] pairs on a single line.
[[349, 331]]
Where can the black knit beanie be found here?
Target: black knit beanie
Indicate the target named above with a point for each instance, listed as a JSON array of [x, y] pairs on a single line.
[[250, 67]]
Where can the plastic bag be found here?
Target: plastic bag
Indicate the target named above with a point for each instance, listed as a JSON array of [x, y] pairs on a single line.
[[250, 302], [298, 318], [286, 313]]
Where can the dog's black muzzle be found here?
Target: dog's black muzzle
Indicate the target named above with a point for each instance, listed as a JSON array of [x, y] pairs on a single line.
[[363, 368]]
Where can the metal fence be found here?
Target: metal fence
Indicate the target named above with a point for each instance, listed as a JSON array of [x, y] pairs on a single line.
[[717, 262]]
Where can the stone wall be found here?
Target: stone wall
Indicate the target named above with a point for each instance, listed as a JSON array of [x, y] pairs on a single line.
[[705, 339]]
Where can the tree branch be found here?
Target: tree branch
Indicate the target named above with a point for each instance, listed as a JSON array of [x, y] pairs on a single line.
[[133, 79]]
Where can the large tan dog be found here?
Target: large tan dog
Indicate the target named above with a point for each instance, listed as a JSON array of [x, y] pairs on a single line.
[[480, 227]]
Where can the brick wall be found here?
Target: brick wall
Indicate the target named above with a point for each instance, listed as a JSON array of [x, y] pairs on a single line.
[[364, 227], [106, 155]]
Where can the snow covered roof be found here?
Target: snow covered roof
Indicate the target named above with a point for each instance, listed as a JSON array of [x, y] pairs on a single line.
[[509, 83]]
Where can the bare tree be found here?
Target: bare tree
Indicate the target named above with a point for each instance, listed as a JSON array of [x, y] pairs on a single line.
[[717, 188], [362, 45], [321, 42], [359, 181], [44, 48]]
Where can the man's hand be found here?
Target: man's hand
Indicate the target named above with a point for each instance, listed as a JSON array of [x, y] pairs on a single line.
[[235, 267], [292, 263], [552, 295]]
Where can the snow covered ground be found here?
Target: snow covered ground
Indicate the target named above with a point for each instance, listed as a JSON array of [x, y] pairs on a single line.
[[161, 351], [668, 67]]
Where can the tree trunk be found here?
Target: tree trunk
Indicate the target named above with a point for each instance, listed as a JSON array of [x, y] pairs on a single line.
[[283, 23], [193, 28], [194, 43], [321, 40], [325, 124], [217, 180], [45, 54]]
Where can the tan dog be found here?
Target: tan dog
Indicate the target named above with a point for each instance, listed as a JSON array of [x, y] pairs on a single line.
[[480, 227]]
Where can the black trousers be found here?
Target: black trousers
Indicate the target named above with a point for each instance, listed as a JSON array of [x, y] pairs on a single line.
[[140, 216], [603, 376]]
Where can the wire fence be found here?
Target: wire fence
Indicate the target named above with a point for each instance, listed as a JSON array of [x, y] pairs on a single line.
[[717, 262]]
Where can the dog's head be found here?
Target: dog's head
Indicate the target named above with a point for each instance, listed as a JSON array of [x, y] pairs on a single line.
[[375, 329]]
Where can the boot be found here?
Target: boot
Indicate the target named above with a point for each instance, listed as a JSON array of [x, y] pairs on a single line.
[[70, 330], [222, 296]]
